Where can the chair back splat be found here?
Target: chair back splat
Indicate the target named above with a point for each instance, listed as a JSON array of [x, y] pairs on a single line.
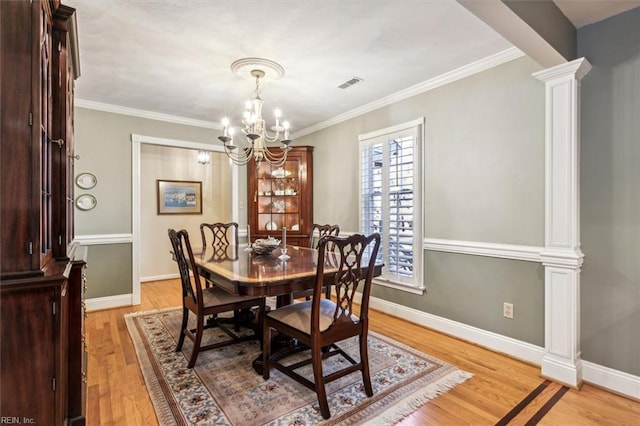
[[224, 240], [322, 231], [317, 232], [223, 234], [347, 255], [320, 324]]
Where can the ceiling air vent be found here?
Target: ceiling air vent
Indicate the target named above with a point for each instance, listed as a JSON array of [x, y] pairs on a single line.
[[351, 82]]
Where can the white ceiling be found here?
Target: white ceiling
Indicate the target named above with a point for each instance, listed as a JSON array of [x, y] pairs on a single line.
[[173, 56]]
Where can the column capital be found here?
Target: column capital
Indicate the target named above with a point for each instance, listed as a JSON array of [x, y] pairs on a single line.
[[577, 68]]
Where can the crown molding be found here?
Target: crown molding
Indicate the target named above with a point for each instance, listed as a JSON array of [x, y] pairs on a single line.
[[457, 74], [449, 77], [117, 109]]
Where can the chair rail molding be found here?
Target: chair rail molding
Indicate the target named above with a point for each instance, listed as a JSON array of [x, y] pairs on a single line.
[[562, 257], [99, 239], [478, 248]]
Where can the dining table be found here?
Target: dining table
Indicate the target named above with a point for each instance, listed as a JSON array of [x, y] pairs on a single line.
[[243, 272]]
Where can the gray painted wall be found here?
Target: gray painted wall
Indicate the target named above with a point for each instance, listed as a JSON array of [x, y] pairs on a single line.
[[103, 141], [108, 270], [484, 181], [610, 187]]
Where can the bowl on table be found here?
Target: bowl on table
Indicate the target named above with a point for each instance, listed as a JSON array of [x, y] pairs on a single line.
[[265, 245]]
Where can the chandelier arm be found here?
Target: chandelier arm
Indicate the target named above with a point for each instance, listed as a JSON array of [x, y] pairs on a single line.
[[237, 158], [271, 138], [274, 159]]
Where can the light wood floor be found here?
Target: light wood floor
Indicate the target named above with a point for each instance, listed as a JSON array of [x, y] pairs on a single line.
[[117, 394]]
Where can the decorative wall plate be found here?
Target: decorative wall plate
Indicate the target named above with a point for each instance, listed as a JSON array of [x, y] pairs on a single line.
[[86, 180], [295, 227], [86, 202]]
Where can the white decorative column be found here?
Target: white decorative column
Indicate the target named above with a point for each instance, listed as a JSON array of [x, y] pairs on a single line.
[[562, 257]]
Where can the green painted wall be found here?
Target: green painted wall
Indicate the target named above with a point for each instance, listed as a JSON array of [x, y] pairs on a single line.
[[484, 181], [610, 188]]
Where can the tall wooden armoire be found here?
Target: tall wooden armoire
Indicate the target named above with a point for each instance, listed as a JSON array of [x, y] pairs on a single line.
[[43, 354]]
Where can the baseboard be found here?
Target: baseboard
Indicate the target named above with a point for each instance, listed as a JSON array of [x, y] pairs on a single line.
[[496, 342], [612, 380], [109, 302], [159, 277]]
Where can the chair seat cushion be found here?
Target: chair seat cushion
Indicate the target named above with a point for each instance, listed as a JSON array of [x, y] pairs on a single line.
[[298, 315], [216, 296]]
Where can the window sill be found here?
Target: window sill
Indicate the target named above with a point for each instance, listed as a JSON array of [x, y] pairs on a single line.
[[397, 286]]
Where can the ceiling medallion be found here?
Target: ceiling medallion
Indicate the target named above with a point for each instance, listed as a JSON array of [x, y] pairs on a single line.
[[244, 68]]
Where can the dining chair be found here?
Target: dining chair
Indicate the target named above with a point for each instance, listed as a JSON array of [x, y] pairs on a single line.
[[204, 302], [320, 324], [223, 236], [318, 231]]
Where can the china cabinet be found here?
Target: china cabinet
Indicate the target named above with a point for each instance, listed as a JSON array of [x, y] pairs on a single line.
[[282, 197], [43, 352]]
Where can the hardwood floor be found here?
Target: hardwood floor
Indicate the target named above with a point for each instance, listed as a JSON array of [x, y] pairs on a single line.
[[117, 394]]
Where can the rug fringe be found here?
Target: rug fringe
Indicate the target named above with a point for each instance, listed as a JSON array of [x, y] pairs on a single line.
[[413, 402]]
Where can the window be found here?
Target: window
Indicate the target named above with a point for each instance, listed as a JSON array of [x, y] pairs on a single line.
[[391, 200]]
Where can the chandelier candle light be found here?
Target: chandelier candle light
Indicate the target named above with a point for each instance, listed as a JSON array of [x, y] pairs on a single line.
[[255, 129]]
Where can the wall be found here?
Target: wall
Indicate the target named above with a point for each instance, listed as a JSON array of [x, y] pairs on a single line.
[[484, 182], [610, 194], [103, 142], [168, 163]]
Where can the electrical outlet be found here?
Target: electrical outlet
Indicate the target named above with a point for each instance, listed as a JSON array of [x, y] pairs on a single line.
[[507, 310]]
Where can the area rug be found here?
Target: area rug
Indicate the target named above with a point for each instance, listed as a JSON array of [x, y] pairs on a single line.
[[223, 388]]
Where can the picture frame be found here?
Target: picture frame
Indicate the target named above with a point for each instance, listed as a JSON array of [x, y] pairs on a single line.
[[179, 197]]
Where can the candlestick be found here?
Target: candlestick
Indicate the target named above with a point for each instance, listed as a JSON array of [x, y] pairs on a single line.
[[248, 248], [283, 250]]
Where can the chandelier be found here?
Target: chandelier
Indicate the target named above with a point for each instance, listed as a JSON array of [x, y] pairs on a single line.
[[254, 129]]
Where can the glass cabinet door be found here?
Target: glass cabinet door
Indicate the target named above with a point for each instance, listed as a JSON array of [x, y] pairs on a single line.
[[278, 195], [281, 196]]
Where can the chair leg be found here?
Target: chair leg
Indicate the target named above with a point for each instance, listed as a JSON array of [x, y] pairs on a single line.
[[316, 360], [364, 360], [266, 349], [196, 341], [183, 327], [259, 326]]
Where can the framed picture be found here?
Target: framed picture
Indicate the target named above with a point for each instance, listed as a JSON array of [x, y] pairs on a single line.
[[179, 197]]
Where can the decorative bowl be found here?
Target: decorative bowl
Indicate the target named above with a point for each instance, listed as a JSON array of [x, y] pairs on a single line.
[[265, 245]]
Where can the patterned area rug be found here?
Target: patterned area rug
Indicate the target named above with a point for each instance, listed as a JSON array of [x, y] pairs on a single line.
[[223, 388]]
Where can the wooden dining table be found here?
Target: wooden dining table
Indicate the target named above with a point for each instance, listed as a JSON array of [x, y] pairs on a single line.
[[245, 273]]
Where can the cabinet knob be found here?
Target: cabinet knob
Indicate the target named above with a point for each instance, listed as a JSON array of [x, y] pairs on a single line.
[[58, 142]]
